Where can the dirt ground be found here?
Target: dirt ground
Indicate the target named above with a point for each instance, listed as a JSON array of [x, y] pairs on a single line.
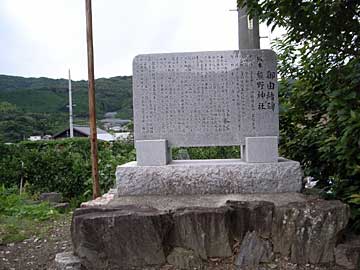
[[38, 252]]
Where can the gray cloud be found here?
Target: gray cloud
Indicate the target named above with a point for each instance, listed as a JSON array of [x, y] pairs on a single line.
[[46, 37]]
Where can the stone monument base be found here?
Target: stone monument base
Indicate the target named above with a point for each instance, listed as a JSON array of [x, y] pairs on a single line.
[[217, 176], [237, 231]]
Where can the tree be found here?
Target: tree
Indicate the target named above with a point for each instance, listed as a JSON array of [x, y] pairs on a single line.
[[319, 66], [16, 125]]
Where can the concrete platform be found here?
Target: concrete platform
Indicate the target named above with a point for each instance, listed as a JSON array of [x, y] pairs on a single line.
[[226, 176]]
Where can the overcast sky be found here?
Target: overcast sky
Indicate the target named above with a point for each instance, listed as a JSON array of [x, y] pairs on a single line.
[[43, 38]]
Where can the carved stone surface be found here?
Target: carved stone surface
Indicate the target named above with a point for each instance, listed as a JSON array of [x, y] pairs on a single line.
[[205, 98], [209, 177]]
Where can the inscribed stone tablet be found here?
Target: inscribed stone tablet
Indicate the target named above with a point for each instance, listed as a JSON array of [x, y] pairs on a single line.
[[205, 98]]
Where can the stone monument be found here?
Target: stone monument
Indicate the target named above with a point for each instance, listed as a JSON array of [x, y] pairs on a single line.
[[206, 99], [187, 212], [221, 98]]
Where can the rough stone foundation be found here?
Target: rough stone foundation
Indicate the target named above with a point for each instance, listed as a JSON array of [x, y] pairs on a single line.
[[252, 229]]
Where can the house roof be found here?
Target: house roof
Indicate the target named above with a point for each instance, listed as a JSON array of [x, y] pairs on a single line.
[[85, 130]]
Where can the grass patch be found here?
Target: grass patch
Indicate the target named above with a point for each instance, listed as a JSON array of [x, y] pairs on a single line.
[[21, 218]]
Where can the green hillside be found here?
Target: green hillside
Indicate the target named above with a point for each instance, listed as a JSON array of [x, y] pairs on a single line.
[[49, 95], [37, 106]]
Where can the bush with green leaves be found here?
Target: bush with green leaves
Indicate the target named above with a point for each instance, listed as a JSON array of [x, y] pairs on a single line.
[[214, 152], [63, 166], [319, 67]]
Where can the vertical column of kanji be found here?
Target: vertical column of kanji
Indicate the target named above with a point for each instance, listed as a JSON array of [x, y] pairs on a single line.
[[234, 96], [141, 92], [248, 114], [266, 95], [228, 96], [260, 89]]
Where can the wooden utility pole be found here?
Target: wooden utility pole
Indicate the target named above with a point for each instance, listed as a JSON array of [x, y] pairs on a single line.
[[92, 111]]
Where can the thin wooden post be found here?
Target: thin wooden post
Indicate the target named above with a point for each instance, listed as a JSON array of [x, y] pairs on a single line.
[[22, 177], [71, 126], [92, 111]]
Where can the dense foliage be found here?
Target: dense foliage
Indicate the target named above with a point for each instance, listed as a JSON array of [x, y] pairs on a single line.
[[319, 66], [17, 125], [38, 106], [63, 166]]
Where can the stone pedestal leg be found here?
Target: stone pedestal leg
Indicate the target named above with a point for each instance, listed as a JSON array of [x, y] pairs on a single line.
[[260, 149], [152, 152]]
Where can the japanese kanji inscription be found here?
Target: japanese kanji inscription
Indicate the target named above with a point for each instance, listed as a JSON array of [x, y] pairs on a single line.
[[205, 98]]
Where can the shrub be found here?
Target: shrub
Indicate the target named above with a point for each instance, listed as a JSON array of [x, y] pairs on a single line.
[[62, 166]]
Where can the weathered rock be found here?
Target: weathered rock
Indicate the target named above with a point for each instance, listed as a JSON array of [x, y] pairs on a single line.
[[67, 261], [253, 251], [261, 218], [347, 254], [184, 259], [251, 216], [120, 238], [124, 235], [100, 201], [62, 206], [52, 197], [307, 231], [203, 230]]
